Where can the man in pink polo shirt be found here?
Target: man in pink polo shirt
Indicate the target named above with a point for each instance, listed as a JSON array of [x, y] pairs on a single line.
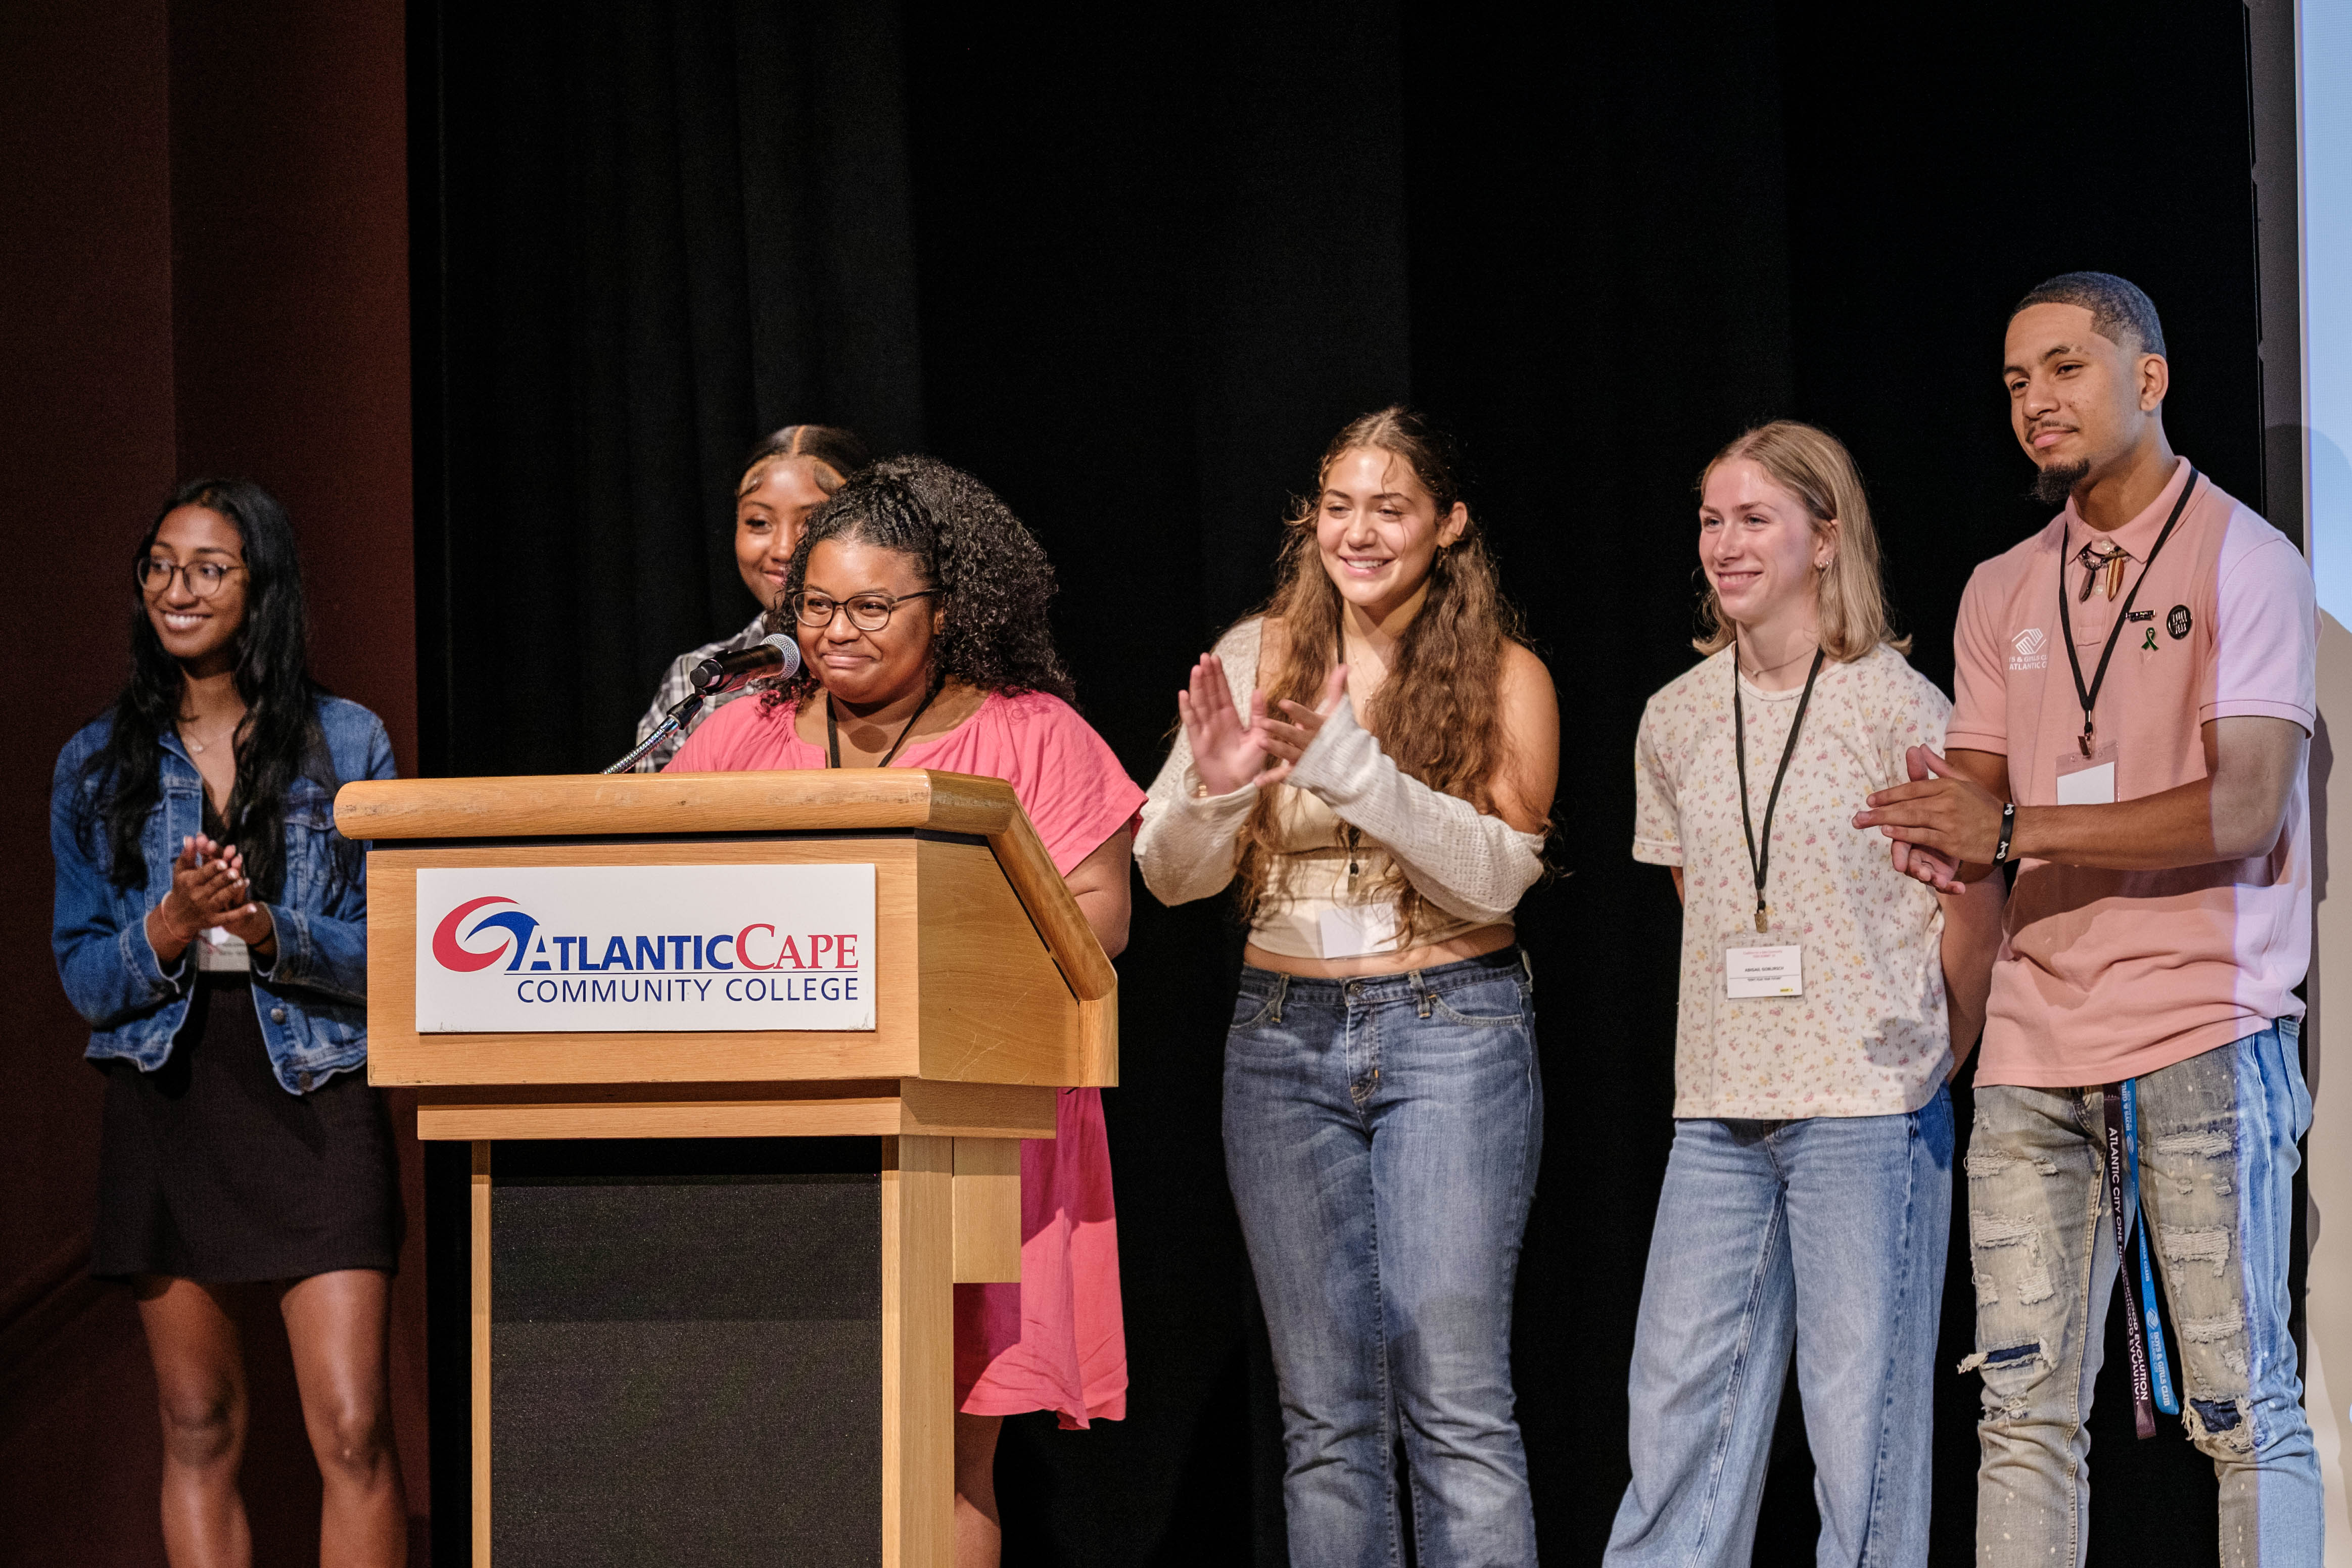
[[2135, 698]]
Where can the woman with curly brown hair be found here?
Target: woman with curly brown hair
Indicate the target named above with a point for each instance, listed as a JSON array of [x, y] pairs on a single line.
[[920, 602], [1382, 813]]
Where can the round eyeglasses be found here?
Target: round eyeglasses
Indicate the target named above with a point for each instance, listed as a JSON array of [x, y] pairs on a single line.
[[204, 577], [867, 611]]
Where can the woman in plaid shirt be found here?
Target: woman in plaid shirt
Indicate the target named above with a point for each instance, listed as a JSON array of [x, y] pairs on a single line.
[[787, 476]]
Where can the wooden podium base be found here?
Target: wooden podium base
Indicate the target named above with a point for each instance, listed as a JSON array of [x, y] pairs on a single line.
[[709, 1307], [685, 1302]]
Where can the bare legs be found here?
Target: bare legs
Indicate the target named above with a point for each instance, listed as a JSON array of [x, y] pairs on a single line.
[[200, 1384], [340, 1327], [979, 1540], [337, 1324]]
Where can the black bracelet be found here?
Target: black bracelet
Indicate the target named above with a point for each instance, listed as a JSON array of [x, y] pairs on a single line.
[[2008, 826]]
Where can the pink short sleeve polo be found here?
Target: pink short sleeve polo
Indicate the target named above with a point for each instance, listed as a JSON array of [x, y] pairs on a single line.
[[2105, 974]]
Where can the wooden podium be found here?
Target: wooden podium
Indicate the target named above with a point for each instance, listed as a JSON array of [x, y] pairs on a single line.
[[711, 1315]]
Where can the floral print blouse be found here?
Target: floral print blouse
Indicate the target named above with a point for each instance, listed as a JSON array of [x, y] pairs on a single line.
[[1868, 1037]]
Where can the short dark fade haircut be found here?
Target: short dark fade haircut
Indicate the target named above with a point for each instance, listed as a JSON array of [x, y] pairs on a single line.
[[2119, 311]]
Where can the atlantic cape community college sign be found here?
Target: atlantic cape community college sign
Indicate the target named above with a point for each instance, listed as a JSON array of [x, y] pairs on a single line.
[[580, 949]]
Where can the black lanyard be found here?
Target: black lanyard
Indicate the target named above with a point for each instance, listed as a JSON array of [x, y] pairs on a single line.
[[1760, 864], [2089, 695], [833, 734]]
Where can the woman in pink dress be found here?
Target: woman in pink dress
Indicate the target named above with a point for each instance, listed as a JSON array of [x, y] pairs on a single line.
[[920, 602]]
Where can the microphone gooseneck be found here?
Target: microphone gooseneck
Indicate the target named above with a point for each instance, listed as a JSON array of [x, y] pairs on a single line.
[[775, 652]]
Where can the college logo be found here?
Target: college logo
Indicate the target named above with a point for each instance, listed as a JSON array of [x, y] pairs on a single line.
[[666, 947], [2180, 622], [2030, 650], [450, 953]]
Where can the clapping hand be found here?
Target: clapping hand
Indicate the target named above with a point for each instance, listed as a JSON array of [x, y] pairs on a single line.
[[248, 923], [1287, 741], [207, 886], [1227, 750], [1230, 750]]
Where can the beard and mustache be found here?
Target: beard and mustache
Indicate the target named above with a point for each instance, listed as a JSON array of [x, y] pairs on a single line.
[[2054, 484]]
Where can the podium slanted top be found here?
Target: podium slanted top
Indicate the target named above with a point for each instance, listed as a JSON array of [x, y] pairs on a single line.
[[590, 805], [958, 1001]]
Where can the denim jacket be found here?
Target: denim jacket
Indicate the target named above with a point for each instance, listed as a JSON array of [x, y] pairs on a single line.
[[311, 997]]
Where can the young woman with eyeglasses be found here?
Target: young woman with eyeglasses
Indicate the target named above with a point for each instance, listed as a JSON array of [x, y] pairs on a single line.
[[920, 602], [785, 477], [1372, 759], [211, 927]]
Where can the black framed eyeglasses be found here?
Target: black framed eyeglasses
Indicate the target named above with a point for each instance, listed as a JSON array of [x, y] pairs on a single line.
[[867, 611], [205, 576]]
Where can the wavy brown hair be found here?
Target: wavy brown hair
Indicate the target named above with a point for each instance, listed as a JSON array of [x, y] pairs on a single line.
[[1437, 715]]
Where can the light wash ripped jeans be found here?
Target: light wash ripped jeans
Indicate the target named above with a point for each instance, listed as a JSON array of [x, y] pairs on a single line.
[[1382, 1137], [2217, 1150], [1827, 1233]]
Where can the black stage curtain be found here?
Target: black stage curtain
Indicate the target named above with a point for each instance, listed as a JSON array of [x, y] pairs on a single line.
[[647, 234], [1156, 260]]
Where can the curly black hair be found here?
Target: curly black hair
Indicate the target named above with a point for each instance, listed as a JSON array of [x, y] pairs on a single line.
[[990, 573]]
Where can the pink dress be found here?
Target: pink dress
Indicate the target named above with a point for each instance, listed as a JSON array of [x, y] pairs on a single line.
[[1055, 1341]]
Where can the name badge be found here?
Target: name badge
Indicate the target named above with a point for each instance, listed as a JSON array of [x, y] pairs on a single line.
[[1755, 969], [218, 953], [2088, 780], [1354, 929]]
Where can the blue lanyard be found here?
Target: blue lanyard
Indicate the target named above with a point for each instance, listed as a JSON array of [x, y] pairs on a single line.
[[2160, 1365]]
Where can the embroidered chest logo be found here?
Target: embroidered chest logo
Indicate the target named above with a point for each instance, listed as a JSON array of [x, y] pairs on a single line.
[[2029, 650]]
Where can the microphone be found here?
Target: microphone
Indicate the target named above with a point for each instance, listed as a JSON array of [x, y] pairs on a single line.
[[775, 654]]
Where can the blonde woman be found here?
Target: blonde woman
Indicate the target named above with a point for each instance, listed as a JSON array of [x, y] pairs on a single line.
[[1807, 1198], [1373, 761]]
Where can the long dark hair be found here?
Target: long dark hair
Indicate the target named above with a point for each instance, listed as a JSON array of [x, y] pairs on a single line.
[[279, 739], [1437, 714], [990, 571]]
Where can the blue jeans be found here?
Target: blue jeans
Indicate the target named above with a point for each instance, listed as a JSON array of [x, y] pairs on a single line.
[[1828, 1233], [2217, 1137], [1382, 1137]]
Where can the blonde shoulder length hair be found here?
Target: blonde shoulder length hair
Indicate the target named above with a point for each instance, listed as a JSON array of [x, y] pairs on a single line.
[[1814, 466]]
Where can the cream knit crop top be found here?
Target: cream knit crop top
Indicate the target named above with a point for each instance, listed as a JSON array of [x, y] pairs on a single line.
[[1347, 805]]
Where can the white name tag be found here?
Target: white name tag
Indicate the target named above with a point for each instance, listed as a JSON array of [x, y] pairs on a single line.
[[2092, 786], [1778, 971], [219, 952], [1354, 929]]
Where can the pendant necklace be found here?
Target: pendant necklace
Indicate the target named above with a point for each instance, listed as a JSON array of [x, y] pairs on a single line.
[[2102, 566], [198, 747]]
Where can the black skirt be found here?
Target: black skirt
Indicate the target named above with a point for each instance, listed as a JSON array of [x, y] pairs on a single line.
[[209, 1170]]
